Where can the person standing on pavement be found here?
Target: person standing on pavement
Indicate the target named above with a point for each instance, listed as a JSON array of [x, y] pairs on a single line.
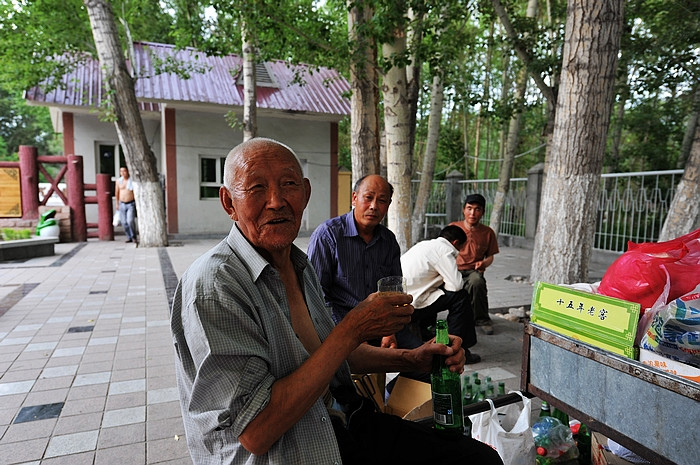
[[126, 203], [432, 278], [263, 373], [477, 255]]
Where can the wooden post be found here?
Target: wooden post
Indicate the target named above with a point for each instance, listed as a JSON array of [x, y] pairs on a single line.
[[76, 197], [105, 229], [29, 183]]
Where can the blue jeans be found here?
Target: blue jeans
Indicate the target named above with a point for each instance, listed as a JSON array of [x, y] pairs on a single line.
[[127, 213]]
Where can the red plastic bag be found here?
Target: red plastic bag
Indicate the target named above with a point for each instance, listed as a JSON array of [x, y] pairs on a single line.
[[637, 275]]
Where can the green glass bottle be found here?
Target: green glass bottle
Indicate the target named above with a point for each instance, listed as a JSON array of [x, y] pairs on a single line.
[[490, 391], [544, 410], [501, 388], [561, 416], [468, 393], [448, 415], [582, 436]]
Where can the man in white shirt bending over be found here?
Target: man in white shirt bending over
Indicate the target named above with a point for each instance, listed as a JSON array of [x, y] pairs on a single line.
[[432, 278]]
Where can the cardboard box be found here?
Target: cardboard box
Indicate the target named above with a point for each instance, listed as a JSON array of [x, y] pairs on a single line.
[[410, 399], [652, 359], [598, 320], [600, 455]]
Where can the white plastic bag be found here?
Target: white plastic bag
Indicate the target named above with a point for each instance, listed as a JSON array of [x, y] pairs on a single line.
[[115, 220], [515, 445]]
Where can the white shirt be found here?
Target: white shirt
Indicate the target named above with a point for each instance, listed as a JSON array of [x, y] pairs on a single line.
[[428, 265]]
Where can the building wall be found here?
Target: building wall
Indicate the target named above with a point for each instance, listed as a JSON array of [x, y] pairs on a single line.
[[208, 134], [90, 133]]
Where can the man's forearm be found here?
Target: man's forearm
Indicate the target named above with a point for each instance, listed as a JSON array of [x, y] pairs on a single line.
[[369, 359], [292, 396]]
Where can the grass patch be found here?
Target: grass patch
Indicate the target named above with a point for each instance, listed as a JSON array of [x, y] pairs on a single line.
[[11, 234]]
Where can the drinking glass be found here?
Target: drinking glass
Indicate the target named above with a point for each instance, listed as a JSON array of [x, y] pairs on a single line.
[[392, 284]]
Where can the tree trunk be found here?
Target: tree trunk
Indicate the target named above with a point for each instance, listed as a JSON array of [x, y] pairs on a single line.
[[426, 179], [250, 92], [465, 139], [413, 86], [512, 140], [396, 127], [485, 102], [139, 157], [693, 123], [565, 233], [364, 116], [509, 154], [684, 212]]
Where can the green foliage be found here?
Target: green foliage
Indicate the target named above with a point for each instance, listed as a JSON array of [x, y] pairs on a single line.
[[11, 234], [344, 158], [659, 59], [21, 124]]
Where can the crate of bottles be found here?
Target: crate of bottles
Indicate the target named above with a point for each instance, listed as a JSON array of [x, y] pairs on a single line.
[[601, 321]]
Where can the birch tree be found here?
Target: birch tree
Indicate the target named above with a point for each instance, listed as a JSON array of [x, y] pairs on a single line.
[[127, 119], [397, 133], [512, 139], [428, 167], [250, 89], [564, 239], [684, 212], [364, 82]]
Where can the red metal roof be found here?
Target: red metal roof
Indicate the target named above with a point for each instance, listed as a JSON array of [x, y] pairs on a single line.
[[322, 91]]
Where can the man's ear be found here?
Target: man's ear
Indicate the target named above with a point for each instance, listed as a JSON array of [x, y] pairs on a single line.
[[227, 203], [307, 186], [354, 199]]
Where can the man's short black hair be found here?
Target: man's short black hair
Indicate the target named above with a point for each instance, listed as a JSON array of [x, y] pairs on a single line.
[[477, 199], [452, 233]]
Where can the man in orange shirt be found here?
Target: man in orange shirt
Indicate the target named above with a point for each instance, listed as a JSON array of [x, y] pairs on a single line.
[[477, 255]]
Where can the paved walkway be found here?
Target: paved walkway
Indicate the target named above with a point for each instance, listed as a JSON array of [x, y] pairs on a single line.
[[86, 359]]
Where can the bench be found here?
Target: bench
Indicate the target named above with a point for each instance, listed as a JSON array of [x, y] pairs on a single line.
[[27, 248]]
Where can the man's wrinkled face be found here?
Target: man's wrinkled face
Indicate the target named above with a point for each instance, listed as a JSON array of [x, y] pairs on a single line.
[[371, 201], [473, 213], [268, 197]]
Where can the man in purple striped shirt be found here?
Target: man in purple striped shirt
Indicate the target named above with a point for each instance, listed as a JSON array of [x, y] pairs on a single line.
[[352, 251]]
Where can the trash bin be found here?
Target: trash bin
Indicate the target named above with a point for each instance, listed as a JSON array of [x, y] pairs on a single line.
[[47, 226]]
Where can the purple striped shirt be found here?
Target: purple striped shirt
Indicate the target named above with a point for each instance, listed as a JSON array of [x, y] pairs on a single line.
[[347, 267]]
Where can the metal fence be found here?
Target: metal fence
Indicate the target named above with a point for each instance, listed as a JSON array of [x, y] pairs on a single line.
[[631, 206]]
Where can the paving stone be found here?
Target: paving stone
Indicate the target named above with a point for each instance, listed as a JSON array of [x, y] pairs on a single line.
[[166, 449], [123, 455], [122, 435], [78, 423], [165, 428], [24, 451], [124, 416], [125, 387], [122, 401], [80, 406], [84, 458]]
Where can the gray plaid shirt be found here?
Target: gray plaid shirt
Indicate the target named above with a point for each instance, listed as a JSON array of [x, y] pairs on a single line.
[[233, 337]]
